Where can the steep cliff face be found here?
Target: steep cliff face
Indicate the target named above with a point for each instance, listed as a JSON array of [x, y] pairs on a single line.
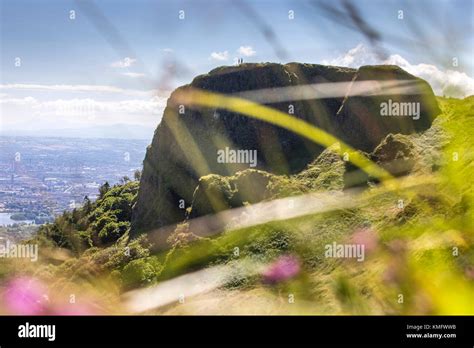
[[407, 107], [186, 143]]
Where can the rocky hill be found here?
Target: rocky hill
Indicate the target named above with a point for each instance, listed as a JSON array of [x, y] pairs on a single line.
[[407, 230], [361, 109]]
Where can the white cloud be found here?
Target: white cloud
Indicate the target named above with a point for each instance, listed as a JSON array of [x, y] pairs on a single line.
[[450, 83], [168, 50], [221, 56], [133, 75], [355, 57], [72, 107], [246, 51], [30, 113], [76, 88], [77, 107], [19, 101], [124, 63]]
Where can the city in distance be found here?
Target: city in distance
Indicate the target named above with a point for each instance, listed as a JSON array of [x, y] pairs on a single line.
[[40, 177]]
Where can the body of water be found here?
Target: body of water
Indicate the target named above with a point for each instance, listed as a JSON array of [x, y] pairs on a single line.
[[5, 220]]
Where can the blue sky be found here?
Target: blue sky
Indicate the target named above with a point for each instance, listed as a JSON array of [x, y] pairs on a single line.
[[102, 68]]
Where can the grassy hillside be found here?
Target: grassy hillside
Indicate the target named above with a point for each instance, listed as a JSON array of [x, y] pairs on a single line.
[[417, 233]]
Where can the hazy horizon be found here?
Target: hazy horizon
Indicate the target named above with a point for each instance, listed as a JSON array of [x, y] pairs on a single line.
[[116, 131]]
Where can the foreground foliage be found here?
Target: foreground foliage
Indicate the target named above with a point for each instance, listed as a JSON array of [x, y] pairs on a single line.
[[418, 237]]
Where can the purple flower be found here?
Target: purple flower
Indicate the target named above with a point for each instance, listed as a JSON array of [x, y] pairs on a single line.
[[282, 269], [26, 296], [29, 296]]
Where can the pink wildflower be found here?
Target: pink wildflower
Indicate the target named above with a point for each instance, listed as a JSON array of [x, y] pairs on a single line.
[[284, 268], [26, 296]]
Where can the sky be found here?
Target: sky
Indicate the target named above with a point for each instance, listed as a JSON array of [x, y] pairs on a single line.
[[88, 64]]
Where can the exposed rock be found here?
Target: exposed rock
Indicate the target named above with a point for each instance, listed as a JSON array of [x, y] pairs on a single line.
[[185, 145], [360, 121], [396, 153], [251, 186], [215, 193]]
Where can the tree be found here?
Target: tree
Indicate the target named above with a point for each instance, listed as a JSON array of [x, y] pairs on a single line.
[[87, 205], [125, 179], [137, 175], [104, 189]]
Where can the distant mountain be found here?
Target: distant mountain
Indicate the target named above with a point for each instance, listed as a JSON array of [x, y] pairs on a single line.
[[115, 131]]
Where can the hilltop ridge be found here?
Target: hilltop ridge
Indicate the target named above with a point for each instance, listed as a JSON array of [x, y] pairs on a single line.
[[186, 141]]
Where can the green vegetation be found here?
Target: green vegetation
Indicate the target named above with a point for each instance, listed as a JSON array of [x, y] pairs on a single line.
[[98, 223], [418, 235], [216, 193], [22, 216]]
